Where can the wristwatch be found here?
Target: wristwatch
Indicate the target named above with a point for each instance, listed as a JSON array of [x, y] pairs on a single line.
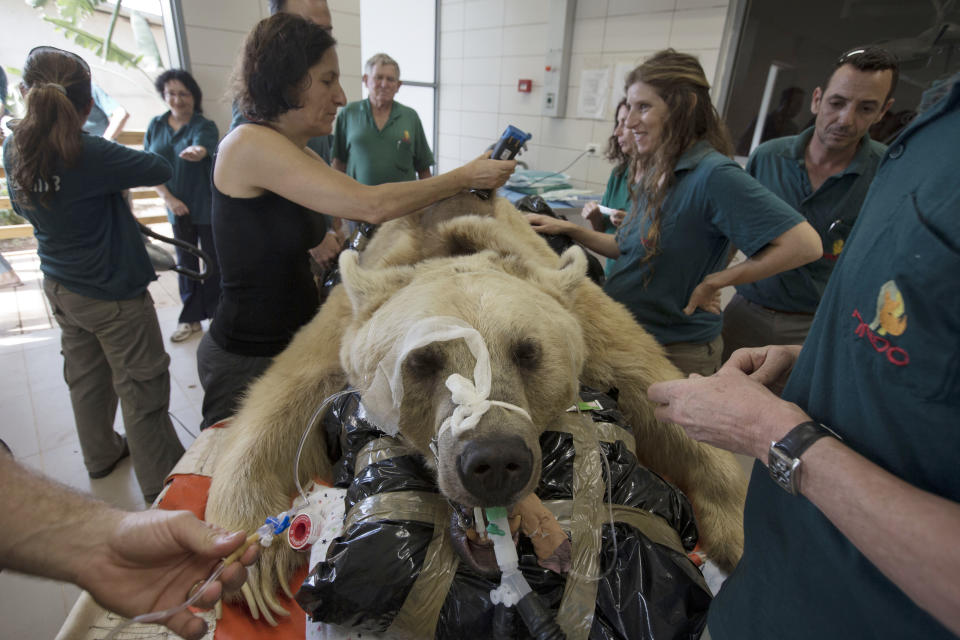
[[783, 459]]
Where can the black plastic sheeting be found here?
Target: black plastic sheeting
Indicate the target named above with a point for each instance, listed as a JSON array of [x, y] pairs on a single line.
[[646, 591], [560, 242]]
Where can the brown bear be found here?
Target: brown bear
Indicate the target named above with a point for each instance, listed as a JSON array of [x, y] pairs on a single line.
[[545, 327]]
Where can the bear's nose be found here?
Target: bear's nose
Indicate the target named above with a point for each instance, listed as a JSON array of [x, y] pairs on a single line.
[[494, 470]]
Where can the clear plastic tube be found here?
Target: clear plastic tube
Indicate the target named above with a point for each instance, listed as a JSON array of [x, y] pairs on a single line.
[[158, 616], [306, 433]]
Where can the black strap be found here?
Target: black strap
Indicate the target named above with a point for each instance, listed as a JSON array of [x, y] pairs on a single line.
[[802, 436]]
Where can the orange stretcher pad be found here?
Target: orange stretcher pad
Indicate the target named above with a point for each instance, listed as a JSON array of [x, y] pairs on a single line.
[[187, 488]]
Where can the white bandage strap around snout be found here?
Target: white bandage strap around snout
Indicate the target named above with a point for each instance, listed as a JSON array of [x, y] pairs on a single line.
[[382, 399]]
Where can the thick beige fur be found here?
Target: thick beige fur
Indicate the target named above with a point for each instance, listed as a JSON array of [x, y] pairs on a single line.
[[479, 261]]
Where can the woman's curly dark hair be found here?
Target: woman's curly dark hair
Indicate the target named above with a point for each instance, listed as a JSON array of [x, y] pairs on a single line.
[[614, 153], [184, 77], [680, 82], [276, 60]]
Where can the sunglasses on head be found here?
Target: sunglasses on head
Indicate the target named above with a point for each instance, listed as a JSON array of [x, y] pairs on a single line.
[[69, 54]]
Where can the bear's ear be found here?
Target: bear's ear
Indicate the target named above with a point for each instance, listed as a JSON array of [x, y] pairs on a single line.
[[564, 281], [369, 288]]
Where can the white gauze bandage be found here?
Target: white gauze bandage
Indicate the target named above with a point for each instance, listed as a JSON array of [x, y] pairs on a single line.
[[382, 399]]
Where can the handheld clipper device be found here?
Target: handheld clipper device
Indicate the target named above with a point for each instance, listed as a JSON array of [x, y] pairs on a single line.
[[507, 148]]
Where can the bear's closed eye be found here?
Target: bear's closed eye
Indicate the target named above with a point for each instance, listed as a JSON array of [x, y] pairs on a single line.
[[426, 361], [526, 353]]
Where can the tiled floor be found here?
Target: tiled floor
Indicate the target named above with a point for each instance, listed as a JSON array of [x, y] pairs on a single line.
[[36, 421]]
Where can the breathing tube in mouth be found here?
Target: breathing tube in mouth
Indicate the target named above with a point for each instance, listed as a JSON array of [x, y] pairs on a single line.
[[514, 589]]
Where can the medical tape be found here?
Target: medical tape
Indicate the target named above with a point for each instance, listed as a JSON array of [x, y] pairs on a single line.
[[579, 601], [607, 432], [582, 516], [655, 528], [378, 450], [384, 395], [420, 612], [415, 506]]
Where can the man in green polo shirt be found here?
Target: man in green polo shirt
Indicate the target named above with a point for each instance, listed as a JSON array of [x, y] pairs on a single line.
[[379, 140], [824, 173]]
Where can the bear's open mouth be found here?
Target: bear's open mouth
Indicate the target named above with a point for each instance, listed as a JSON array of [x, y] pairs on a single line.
[[475, 549]]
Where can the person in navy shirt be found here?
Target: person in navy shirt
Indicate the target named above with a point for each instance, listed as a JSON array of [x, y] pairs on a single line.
[[866, 547], [70, 185], [187, 140], [673, 248], [824, 173]]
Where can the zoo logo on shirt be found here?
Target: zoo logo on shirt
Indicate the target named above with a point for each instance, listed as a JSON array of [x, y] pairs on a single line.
[[890, 320]]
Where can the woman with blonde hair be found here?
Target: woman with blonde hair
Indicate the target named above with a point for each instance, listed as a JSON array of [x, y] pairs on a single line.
[[70, 185], [690, 205]]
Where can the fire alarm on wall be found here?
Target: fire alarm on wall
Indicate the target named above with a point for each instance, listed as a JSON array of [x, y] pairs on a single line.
[[524, 86]]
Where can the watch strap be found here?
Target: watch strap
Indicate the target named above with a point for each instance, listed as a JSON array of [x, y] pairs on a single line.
[[783, 461], [802, 436]]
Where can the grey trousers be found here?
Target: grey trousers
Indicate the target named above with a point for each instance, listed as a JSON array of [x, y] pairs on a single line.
[[224, 377], [746, 324], [690, 357], [114, 350]]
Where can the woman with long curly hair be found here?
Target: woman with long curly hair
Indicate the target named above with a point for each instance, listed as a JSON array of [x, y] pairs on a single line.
[[691, 203], [70, 185]]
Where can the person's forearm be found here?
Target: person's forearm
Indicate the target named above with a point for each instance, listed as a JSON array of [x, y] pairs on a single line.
[[909, 534], [47, 527], [603, 243], [117, 120], [163, 191], [396, 199], [793, 248]]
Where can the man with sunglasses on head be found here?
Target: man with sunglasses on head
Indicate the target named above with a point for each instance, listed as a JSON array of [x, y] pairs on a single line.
[[824, 173]]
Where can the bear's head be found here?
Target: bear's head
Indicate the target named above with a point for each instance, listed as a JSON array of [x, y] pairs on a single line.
[[467, 359]]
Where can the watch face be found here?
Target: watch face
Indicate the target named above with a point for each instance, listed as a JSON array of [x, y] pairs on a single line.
[[784, 469]]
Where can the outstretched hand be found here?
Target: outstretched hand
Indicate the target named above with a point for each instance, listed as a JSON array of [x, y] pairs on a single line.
[[485, 173], [770, 366], [591, 213], [327, 251], [194, 153], [729, 409], [154, 559], [548, 224]]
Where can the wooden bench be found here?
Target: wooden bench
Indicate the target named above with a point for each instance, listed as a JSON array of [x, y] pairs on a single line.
[[128, 138]]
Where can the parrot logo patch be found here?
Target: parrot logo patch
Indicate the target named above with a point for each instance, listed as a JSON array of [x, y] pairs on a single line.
[[890, 320]]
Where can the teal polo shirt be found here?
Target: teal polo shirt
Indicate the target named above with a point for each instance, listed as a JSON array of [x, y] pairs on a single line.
[[191, 180], [879, 367], [395, 153], [779, 166], [616, 196], [88, 240], [711, 202]]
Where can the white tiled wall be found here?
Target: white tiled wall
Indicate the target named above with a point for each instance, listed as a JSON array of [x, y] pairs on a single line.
[[216, 30], [487, 45]]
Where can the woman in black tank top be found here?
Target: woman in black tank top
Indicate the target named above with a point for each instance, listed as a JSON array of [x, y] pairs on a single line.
[[268, 187]]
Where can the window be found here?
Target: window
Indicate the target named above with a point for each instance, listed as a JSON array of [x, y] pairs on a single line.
[[792, 47], [407, 32]]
